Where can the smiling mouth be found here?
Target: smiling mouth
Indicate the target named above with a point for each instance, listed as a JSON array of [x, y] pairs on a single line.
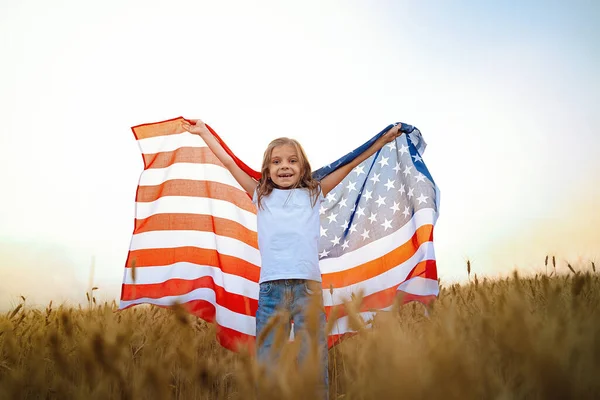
[[285, 175]]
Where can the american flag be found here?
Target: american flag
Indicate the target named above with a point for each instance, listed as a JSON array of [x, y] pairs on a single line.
[[195, 243]]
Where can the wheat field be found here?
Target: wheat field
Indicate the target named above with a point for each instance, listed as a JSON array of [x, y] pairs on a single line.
[[515, 338]]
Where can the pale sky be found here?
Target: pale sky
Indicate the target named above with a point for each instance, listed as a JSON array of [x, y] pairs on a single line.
[[507, 96]]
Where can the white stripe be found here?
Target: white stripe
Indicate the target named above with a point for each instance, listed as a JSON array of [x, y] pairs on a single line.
[[342, 325], [189, 171], [386, 280], [420, 286], [380, 247], [196, 205], [158, 144], [203, 240], [223, 316], [184, 270]]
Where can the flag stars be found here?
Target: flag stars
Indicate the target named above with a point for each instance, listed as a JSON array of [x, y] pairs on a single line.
[[420, 177], [359, 170], [375, 178], [323, 232], [417, 158], [390, 184], [386, 224], [384, 161], [397, 168], [368, 195], [410, 193], [345, 245], [406, 171], [332, 217], [422, 199], [365, 234], [402, 189], [391, 145], [351, 186], [395, 208], [324, 253], [345, 224], [360, 212], [403, 149], [373, 218], [343, 202], [322, 210], [352, 228], [335, 240], [380, 201], [406, 211], [330, 197]]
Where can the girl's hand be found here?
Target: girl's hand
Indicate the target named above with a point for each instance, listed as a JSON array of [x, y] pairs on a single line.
[[392, 134], [198, 128]]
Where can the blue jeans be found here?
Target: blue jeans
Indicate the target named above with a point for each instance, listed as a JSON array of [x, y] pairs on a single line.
[[293, 296]]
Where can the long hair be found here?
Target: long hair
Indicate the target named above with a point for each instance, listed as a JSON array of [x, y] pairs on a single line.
[[266, 185]]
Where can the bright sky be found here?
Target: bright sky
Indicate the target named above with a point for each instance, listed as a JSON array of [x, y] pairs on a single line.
[[506, 95]]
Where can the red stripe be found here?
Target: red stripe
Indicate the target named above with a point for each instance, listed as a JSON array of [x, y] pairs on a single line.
[[194, 188], [164, 257], [194, 155], [378, 266], [177, 287], [196, 222]]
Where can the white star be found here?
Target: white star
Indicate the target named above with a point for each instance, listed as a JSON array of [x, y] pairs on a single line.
[[417, 158], [373, 217], [322, 210], [420, 177], [390, 184], [345, 245], [323, 233], [422, 198], [380, 201], [384, 161], [343, 202], [406, 171], [335, 240], [359, 170], [375, 178], [351, 186], [345, 225], [410, 192], [365, 234], [387, 224], [397, 167], [360, 212], [330, 197], [395, 208], [352, 228], [403, 149], [406, 212], [324, 253], [391, 145], [332, 217], [353, 207], [368, 195], [402, 190]]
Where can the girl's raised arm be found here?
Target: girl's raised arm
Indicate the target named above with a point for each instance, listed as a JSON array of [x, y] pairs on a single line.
[[334, 178], [245, 180]]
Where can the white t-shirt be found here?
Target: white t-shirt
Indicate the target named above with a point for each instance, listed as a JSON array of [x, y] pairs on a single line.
[[288, 235]]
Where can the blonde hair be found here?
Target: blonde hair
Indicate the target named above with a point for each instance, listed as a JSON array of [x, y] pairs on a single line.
[[266, 185]]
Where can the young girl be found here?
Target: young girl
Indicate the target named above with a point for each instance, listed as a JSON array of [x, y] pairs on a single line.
[[288, 200]]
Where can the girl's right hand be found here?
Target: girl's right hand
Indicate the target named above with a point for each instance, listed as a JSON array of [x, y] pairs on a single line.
[[196, 126]]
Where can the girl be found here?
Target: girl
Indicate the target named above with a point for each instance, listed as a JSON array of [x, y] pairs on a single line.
[[288, 200]]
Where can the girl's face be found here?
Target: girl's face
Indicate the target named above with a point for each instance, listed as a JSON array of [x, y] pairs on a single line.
[[285, 167]]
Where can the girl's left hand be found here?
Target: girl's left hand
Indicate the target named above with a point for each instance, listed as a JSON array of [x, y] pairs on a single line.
[[392, 134]]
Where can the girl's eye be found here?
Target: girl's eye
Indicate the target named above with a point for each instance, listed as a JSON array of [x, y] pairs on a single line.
[[276, 162], [293, 161]]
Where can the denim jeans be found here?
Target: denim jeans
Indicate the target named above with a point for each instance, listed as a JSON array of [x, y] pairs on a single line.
[[293, 296]]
